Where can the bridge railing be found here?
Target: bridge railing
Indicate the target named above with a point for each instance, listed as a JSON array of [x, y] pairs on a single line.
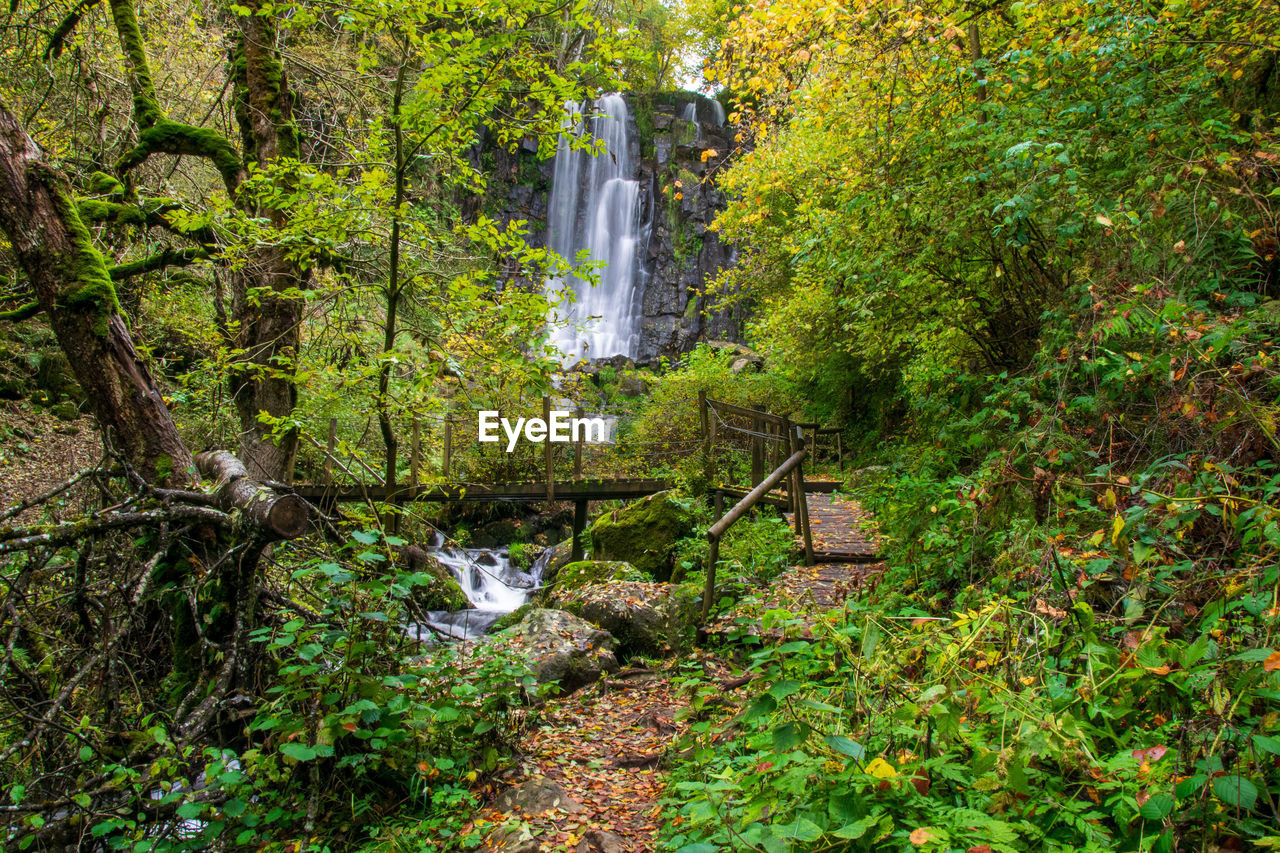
[[445, 447]]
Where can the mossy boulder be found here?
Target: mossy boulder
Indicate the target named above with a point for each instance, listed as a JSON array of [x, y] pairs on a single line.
[[65, 411], [575, 576], [650, 619], [55, 378], [561, 648], [510, 619], [643, 533]]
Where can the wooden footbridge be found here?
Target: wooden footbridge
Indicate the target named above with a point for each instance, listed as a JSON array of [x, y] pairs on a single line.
[[735, 448]]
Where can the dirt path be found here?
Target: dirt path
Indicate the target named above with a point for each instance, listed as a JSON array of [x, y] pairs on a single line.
[[603, 746]]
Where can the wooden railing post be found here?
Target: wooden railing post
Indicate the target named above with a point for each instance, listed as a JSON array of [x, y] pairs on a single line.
[[709, 589], [447, 453], [577, 447], [546, 449], [790, 445], [415, 453], [802, 505], [712, 425], [757, 453], [328, 454], [840, 449], [704, 421], [579, 527]]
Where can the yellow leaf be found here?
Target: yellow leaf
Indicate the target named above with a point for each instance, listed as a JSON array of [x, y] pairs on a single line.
[[921, 836], [881, 769], [1102, 220], [1117, 525]]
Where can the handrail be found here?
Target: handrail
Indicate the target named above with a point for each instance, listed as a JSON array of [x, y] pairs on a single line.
[[721, 527], [791, 466]]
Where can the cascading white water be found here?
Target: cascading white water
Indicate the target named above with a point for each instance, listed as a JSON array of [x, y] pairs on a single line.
[[493, 587], [691, 114], [601, 322]]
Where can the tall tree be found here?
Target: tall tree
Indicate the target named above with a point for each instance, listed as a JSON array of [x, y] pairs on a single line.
[[269, 281]]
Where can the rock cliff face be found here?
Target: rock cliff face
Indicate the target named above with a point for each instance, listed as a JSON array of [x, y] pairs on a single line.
[[677, 139]]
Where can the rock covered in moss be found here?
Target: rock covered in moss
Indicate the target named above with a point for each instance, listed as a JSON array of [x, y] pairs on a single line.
[[651, 619], [561, 647], [507, 620], [643, 533], [575, 576]]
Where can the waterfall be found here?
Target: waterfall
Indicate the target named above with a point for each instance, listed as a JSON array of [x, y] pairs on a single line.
[[719, 111], [594, 206]]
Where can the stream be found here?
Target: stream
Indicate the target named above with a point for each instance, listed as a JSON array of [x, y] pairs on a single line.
[[492, 585]]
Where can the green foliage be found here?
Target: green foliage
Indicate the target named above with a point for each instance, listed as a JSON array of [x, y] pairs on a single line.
[[928, 179], [352, 702], [1006, 726]]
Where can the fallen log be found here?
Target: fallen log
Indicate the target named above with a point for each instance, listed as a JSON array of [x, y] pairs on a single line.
[[275, 515]]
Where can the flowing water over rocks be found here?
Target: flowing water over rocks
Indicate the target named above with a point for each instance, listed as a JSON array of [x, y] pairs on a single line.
[[492, 585]]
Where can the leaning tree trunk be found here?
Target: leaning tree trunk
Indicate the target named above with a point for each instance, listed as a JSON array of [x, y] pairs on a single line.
[[72, 287]]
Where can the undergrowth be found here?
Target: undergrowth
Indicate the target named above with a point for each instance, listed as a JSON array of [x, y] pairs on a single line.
[[1073, 644]]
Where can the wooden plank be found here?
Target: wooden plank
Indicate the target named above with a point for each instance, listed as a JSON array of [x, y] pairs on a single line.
[[847, 557]]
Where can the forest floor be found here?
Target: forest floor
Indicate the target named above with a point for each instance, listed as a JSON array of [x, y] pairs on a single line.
[[605, 746], [38, 452]]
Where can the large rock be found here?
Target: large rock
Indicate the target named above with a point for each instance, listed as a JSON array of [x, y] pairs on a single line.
[[561, 647], [574, 576], [600, 841], [536, 796], [741, 358], [644, 533], [650, 619]]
